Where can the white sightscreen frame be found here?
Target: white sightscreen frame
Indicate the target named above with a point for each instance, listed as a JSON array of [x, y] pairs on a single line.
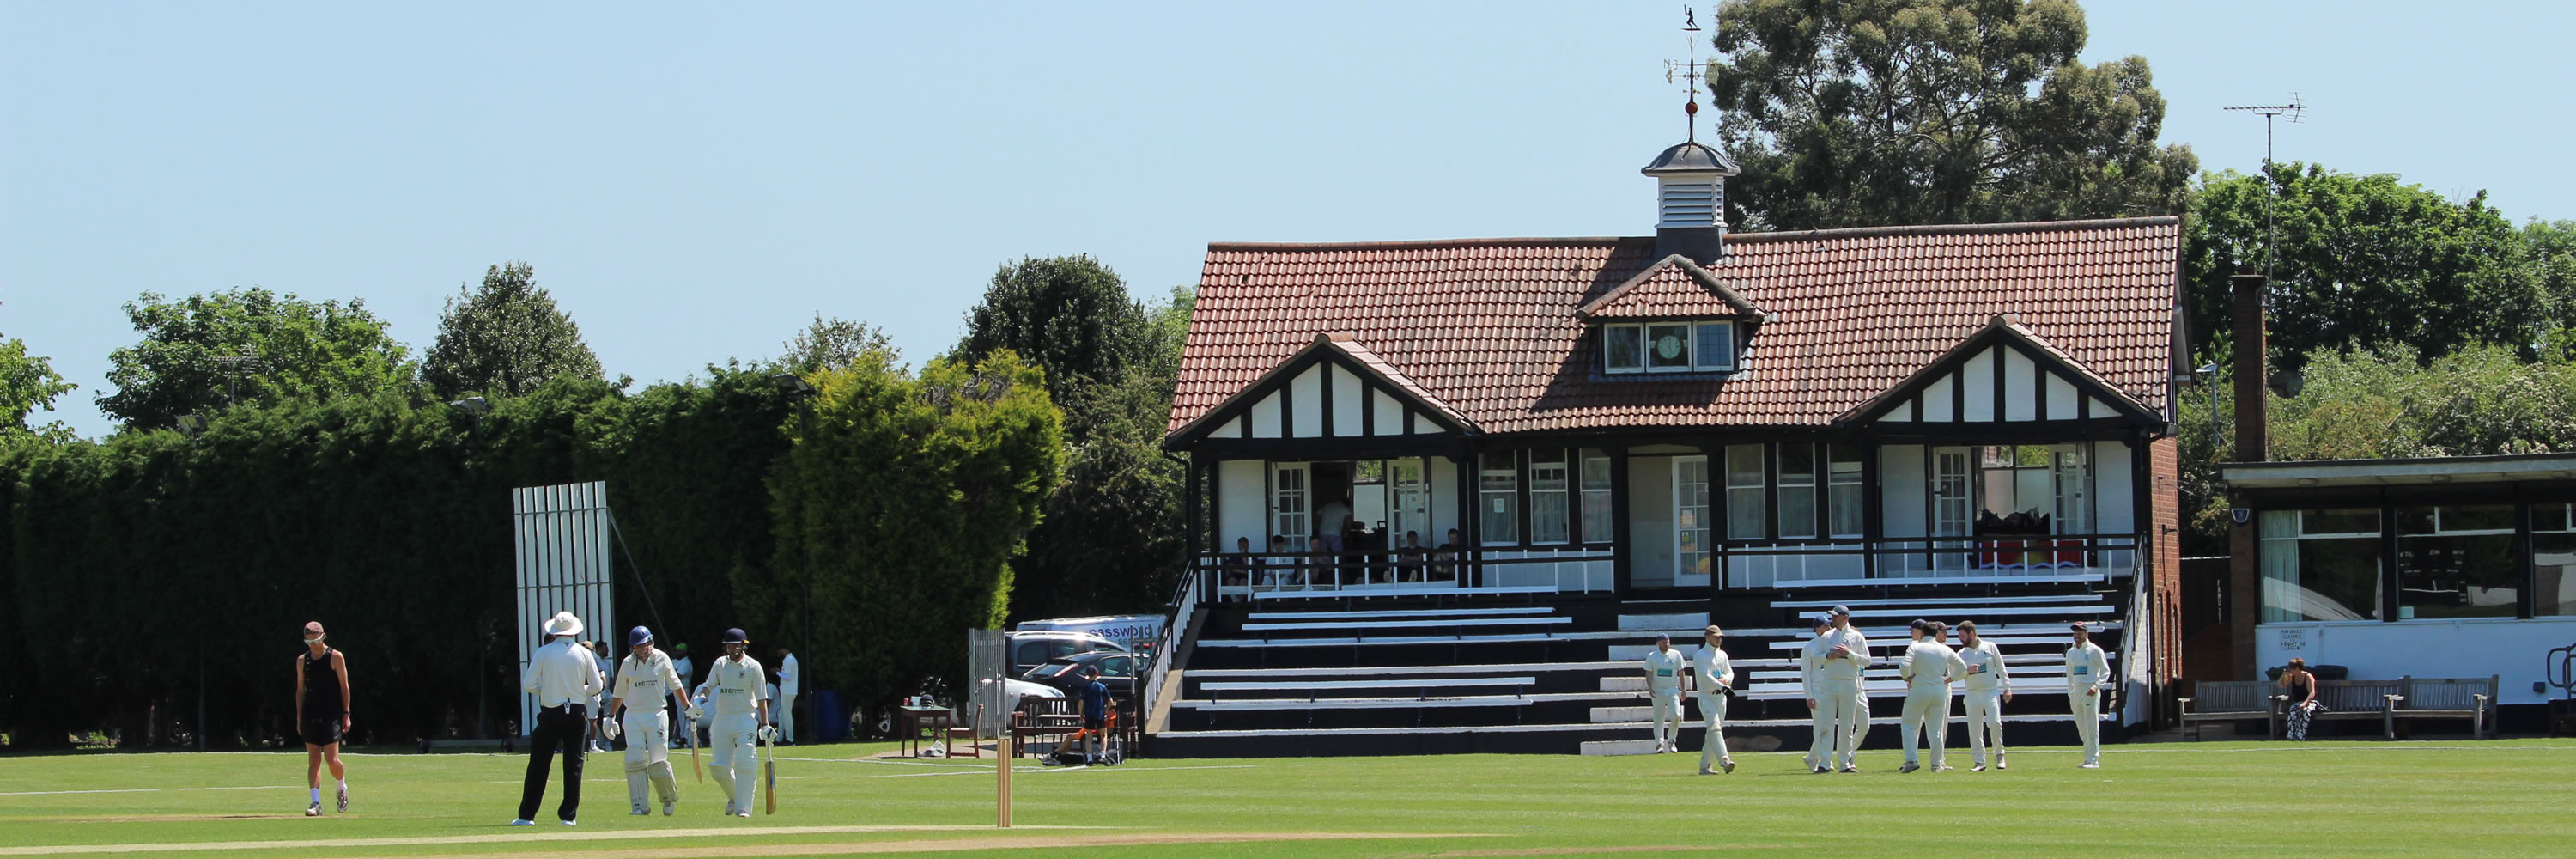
[[563, 535]]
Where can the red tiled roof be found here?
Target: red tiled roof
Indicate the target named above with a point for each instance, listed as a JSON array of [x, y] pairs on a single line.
[[1673, 287], [1488, 326]]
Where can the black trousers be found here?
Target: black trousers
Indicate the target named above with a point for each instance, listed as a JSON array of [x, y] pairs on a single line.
[[566, 728]]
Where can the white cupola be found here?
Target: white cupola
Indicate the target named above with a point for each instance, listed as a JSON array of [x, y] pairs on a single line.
[[1690, 201]]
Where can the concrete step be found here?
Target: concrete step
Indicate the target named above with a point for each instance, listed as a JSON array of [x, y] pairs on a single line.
[[1663, 622], [1619, 747]]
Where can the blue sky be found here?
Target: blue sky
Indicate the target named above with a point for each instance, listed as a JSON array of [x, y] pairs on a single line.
[[694, 184]]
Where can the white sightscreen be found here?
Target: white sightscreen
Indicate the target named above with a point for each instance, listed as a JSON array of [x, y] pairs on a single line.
[[563, 541]]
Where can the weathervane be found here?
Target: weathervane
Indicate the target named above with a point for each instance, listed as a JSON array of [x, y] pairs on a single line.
[[1689, 73]]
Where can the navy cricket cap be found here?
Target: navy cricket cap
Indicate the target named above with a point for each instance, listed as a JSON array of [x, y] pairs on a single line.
[[1924, 625], [1663, 636], [1841, 611], [735, 636], [638, 635], [1824, 620]]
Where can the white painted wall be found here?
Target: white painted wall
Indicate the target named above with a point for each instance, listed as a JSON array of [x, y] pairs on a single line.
[[2061, 398], [1977, 384], [1265, 416], [1901, 490], [2509, 648], [1650, 521], [1389, 413], [1347, 392], [1232, 428], [2021, 388], [1241, 510], [2114, 496], [1936, 400], [1307, 393], [1443, 475], [1424, 426]]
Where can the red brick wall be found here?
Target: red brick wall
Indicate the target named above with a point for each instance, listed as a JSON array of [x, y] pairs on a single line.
[[2164, 591]]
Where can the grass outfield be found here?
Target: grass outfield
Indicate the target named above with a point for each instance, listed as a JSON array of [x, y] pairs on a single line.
[[2498, 798]]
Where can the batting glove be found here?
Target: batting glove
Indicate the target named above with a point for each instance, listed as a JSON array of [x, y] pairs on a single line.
[[608, 728], [769, 733]]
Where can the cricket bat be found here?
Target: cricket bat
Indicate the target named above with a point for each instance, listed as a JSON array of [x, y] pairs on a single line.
[[691, 727], [769, 777]]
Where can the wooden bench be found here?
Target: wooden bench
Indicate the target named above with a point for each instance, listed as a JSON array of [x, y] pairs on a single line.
[[2229, 701], [2470, 698], [2352, 699], [1422, 686], [1044, 718]]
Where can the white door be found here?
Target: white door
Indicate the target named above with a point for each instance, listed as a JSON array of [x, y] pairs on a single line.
[[1951, 504], [1691, 531], [1412, 502], [1291, 513]]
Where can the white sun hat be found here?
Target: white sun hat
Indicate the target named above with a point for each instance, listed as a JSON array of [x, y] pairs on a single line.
[[563, 624]]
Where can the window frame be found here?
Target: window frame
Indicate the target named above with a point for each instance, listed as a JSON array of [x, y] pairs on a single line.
[[1845, 483], [1564, 492], [1637, 357], [1508, 492], [1722, 363], [1586, 492], [1688, 332], [1785, 481]]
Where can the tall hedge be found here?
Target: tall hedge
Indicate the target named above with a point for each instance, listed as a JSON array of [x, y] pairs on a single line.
[[897, 512]]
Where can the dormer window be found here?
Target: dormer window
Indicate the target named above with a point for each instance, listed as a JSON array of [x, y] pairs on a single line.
[[1668, 347]]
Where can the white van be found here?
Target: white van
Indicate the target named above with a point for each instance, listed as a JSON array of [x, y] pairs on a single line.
[[1131, 631], [1032, 648]]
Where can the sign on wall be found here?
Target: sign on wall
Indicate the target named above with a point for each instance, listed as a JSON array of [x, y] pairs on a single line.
[[562, 533]]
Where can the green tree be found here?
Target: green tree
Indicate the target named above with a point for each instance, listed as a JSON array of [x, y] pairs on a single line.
[[902, 502], [1068, 316], [2549, 252], [504, 339], [832, 344], [1934, 111], [27, 383], [2362, 261], [307, 350]]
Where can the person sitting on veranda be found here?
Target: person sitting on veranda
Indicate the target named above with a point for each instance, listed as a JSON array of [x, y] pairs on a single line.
[[1235, 570], [1446, 560], [1408, 558], [1279, 569], [1325, 552]]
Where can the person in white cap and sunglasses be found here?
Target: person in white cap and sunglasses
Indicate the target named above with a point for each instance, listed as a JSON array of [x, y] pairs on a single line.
[[1929, 668], [737, 688], [645, 682], [2088, 673], [1989, 685], [1664, 687], [1841, 657], [563, 675]]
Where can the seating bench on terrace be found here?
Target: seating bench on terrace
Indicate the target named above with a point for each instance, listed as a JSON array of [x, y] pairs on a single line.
[[1398, 624], [1424, 684], [2229, 701], [1935, 601], [1397, 612], [2471, 698]]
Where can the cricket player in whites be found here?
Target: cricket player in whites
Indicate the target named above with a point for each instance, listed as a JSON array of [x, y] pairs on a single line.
[[1842, 655], [1989, 686], [1930, 667], [1715, 677], [736, 687], [1664, 687], [645, 682], [1820, 750], [2088, 672]]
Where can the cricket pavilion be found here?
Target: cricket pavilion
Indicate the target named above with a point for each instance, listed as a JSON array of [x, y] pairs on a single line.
[[1649, 434]]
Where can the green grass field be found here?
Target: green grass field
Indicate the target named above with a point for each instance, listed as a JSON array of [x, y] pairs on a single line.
[[2495, 798]]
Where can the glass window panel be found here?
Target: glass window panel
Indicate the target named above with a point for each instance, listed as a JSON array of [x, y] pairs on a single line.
[[2307, 577], [1547, 490], [2549, 517], [1547, 469], [1716, 347], [1668, 347], [1798, 464], [2553, 589], [1596, 497], [1624, 348], [1690, 514], [1798, 510], [1744, 465], [2445, 574], [1498, 509]]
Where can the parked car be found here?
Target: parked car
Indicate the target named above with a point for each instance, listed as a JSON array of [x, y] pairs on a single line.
[[1016, 691], [1117, 671], [1032, 648]]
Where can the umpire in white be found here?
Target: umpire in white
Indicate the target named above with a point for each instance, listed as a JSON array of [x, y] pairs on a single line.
[[563, 675]]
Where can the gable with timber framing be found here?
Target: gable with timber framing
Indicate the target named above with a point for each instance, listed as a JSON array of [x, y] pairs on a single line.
[[1332, 389], [2005, 373]]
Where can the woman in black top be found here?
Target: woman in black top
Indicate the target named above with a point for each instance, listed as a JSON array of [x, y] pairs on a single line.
[[2300, 687], [321, 714]]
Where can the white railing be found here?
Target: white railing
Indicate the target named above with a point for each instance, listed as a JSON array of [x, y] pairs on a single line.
[[1185, 607]]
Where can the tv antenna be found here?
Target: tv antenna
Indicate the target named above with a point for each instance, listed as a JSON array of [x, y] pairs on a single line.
[[1688, 72], [2294, 111]]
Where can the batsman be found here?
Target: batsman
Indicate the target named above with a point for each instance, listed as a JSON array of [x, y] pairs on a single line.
[[738, 691], [644, 682]]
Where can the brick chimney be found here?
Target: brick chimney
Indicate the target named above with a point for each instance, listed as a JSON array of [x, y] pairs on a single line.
[[2252, 423]]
